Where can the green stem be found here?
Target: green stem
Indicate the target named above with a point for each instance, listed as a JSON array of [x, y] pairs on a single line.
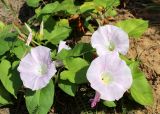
[[36, 42]]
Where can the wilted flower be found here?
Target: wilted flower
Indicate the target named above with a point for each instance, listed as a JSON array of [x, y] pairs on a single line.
[[41, 32], [109, 76], [36, 68], [29, 39], [62, 45], [110, 38], [95, 100]]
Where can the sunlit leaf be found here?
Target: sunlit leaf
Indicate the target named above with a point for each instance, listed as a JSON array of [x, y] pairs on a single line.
[[141, 91], [109, 103], [20, 51], [40, 101], [7, 39], [68, 87], [134, 27], [9, 76], [107, 3], [68, 6], [5, 97], [87, 6], [2, 25], [50, 8], [33, 3], [76, 72], [75, 64], [60, 32]]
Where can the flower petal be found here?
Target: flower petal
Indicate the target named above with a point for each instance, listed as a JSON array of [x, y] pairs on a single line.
[[29, 39], [107, 36], [119, 73], [62, 45], [36, 68], [40, 54]]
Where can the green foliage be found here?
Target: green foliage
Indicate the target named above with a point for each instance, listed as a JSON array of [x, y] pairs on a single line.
[[109, 103], [107, 3], [60, 32], [2, 25], [40, 101], [63, 19], [76, 72], [141, 91], [50, 8], [75, 64], [33, 3], [68, 87], [134, 27], [7, 39], [86, 7], [68, 7], [20, 51], [9, 75], [5, 97], [80, 49]]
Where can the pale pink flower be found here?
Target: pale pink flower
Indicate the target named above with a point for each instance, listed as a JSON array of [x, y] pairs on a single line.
[[62, 45], [36, 68], [108, 39], [109, 76]]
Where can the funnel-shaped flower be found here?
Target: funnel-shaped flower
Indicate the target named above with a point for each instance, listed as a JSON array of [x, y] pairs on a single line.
[[36, 68], [110, 38], [62, 45], [109, 76]]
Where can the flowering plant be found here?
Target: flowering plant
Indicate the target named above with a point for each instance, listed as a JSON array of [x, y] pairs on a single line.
[[38, 62]]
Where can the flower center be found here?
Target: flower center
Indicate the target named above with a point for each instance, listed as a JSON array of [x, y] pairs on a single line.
[[111, 46], [106, 78], [42, 69]]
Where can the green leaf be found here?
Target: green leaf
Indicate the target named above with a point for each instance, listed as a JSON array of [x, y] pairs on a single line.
[[109, 103], [88, 25], [49, 24], [5, 97], [75, 64], [78, 77], [141, 91], [2, 25], [7, 39], [60, 32], [63, 54], [87, 6], [9, 76], [134, 27], [81, 49], [128, 61], [33, 3], [111, 12], [68, 7], [20, 51], [40, 101], [68, 87], [50, 8], [76, 72], [107, 3]]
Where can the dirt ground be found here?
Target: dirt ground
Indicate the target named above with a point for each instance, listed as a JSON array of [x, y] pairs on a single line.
[[146, 49]]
